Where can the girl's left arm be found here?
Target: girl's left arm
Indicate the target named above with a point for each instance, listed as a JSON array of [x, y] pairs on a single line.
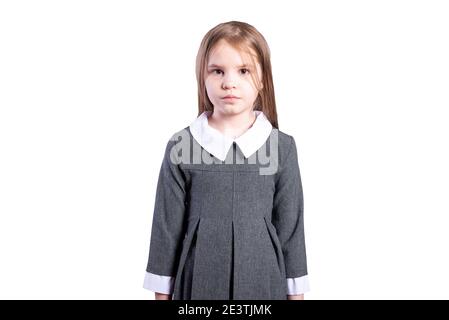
[[288, 219]]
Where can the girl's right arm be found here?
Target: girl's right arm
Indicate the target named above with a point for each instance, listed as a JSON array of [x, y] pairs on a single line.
[[162, 296], [167, 233]]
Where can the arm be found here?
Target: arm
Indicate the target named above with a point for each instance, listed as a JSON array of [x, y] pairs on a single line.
[[288, 218], [167, 231]]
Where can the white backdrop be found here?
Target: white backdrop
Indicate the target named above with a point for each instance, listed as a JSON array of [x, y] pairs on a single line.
[[91, 91]]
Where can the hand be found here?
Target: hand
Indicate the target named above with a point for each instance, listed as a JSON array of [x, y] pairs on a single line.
[[295, 297], [162, 296]]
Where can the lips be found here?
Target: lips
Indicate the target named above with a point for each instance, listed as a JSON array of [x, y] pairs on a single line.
[[230, 97]]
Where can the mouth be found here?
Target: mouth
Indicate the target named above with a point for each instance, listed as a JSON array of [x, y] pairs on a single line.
[[230, 97]]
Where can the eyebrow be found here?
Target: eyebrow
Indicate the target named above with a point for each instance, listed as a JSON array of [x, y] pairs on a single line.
[[218, 66]]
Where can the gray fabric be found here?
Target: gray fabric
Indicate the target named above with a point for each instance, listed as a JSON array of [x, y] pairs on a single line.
[[225, 231]]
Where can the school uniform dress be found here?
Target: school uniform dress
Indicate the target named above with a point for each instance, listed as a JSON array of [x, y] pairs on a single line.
[[228, 216]]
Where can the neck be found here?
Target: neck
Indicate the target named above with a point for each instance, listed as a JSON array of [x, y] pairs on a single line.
[[233, 125]]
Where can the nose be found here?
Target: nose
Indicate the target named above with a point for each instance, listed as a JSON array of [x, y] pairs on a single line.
[[228, 85], [229, 82]]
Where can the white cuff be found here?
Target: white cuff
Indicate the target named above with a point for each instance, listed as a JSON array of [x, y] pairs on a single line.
[[157, 283], [298, 285]]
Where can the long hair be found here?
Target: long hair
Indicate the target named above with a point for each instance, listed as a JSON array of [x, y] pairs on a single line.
[[243, 37]]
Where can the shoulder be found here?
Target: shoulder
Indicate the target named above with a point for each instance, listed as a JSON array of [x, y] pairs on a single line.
[[182, 135], [285, 142], [176, 143], [286, 148]]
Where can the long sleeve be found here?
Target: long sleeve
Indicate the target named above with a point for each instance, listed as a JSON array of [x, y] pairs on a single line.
[[167, 232], [288, 218]]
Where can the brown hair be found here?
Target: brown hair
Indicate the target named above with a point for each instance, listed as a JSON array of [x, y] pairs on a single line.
[[243, 37]]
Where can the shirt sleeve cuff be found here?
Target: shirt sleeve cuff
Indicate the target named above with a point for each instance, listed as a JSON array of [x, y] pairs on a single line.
[[298, 285], [157, 283]]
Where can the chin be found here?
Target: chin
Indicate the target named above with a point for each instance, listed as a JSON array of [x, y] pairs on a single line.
[[229, 109]]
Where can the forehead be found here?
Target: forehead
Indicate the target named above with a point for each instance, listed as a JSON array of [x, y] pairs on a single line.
[[223, 55]]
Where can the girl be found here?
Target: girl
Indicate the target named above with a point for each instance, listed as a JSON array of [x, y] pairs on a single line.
[[228, 217]]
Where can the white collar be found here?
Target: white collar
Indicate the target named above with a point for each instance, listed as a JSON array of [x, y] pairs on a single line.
[[217, 144]]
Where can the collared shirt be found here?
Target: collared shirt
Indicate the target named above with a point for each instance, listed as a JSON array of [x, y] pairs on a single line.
[[218, 145]]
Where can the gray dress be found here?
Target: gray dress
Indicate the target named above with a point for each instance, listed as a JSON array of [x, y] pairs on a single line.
[[229, 230]]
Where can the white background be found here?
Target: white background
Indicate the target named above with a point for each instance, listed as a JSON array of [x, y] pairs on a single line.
[[91, 91]]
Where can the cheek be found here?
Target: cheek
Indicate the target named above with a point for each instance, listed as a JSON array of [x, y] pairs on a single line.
[[211, 84], [250, 89], [211, 89], [208, 86]]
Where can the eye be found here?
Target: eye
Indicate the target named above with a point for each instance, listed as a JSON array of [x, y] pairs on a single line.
[[216, 70], [246, 70]]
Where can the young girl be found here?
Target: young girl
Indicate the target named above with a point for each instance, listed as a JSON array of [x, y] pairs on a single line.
[[228, 217]]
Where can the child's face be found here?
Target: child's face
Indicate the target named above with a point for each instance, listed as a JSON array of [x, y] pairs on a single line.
[[225, 75]]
